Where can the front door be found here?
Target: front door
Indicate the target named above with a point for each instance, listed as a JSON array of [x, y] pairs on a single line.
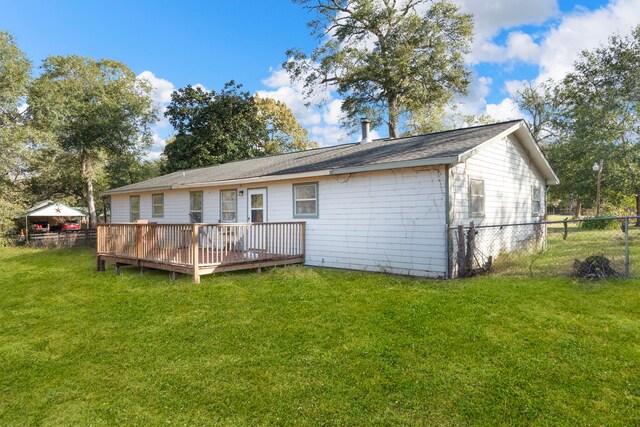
[[257, 205]]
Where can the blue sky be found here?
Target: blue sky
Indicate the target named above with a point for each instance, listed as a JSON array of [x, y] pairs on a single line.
[[173, 44]]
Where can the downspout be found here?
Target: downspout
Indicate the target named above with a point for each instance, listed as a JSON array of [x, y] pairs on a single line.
[[447, 221]]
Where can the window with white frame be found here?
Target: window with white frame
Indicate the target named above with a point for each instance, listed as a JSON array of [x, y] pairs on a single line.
[[536, 201], [228, 205], [134, 208], [157, 201], [476, 197], [195, 206], [305, 200]]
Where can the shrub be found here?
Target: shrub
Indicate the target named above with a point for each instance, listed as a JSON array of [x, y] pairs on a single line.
[[600, 222]]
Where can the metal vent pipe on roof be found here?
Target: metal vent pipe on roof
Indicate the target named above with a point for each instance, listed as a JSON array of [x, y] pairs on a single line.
[[366, 131]]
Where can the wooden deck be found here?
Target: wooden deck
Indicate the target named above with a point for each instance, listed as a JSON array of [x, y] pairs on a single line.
[[198, 249]]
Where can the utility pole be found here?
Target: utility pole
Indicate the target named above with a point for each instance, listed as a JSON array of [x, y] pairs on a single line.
[[598, 167]]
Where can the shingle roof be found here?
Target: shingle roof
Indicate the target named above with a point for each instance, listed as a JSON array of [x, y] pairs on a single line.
[[441, 145]]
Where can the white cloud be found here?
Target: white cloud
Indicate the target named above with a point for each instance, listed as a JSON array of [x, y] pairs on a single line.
[[157, 147], [162, 88], [584, 29], [201, 86], [492, 17], [521, 46], [329, 135], [333, 112], [294, 99], [277, 78], [513, 86], [160, 95], [322, 122], [474, 102], [507, 109]]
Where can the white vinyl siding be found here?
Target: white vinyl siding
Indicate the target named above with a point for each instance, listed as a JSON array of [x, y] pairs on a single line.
[[508, 176], [387, 221], [229, 205], [158, 205], [134, 208], [305, 200]]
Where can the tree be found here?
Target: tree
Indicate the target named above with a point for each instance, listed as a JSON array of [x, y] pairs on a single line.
[[542, 103], [602, 103], [388, 59], [284, 132], [219, 127], [94, 109], [15, 75]]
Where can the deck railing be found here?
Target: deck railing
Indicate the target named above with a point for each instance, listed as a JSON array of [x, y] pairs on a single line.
[[201, 247]]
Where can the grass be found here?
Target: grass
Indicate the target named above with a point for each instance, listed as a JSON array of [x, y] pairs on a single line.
[[559, 255], [310, 346]]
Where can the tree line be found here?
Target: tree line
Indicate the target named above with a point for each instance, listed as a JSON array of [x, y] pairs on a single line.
[[590, 117], [84, 125]]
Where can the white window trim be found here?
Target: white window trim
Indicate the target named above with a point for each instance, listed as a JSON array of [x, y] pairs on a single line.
[[154, 205], [316, 199], [235, 212], [201, 211], [484, 199], [533, 192], [131, 198]]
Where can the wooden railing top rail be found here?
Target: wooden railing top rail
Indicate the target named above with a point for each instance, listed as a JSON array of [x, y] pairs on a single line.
[[200, 223]]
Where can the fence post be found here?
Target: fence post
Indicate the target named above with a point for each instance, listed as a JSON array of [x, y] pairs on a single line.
[[626, 246], [471, 247], [461, 252]]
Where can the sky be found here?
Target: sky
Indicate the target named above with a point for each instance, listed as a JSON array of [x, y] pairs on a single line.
[[173, 44]]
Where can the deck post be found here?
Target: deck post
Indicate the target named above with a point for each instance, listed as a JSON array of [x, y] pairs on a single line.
[[100, 264], [138, 241], [195, 247], [303, 240]]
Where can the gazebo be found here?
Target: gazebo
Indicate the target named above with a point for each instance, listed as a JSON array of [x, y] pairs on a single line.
[[51, 213]]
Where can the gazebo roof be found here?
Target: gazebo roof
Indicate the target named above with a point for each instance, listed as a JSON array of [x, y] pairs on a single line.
[[50, 208]]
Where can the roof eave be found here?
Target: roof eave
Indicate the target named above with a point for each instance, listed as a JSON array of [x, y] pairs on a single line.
[[135, 190], [397, 165], [522, 131]]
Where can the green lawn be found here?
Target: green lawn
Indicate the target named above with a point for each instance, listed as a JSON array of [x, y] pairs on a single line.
[[310, 346], [559, 255]]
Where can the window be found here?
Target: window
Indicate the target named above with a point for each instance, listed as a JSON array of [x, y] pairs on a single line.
[[195, 206], [476, 197], [158, 205], [305, 200], [134, 208], [228, 205], [536, 205]]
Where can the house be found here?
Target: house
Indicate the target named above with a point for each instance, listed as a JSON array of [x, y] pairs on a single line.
[[384, 205]]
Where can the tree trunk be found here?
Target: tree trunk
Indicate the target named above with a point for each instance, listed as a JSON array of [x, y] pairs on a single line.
[[578, 209], [393, 117], [637, 209], [88, 176]]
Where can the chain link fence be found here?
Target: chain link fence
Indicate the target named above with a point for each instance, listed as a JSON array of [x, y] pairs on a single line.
[[589, 248]]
